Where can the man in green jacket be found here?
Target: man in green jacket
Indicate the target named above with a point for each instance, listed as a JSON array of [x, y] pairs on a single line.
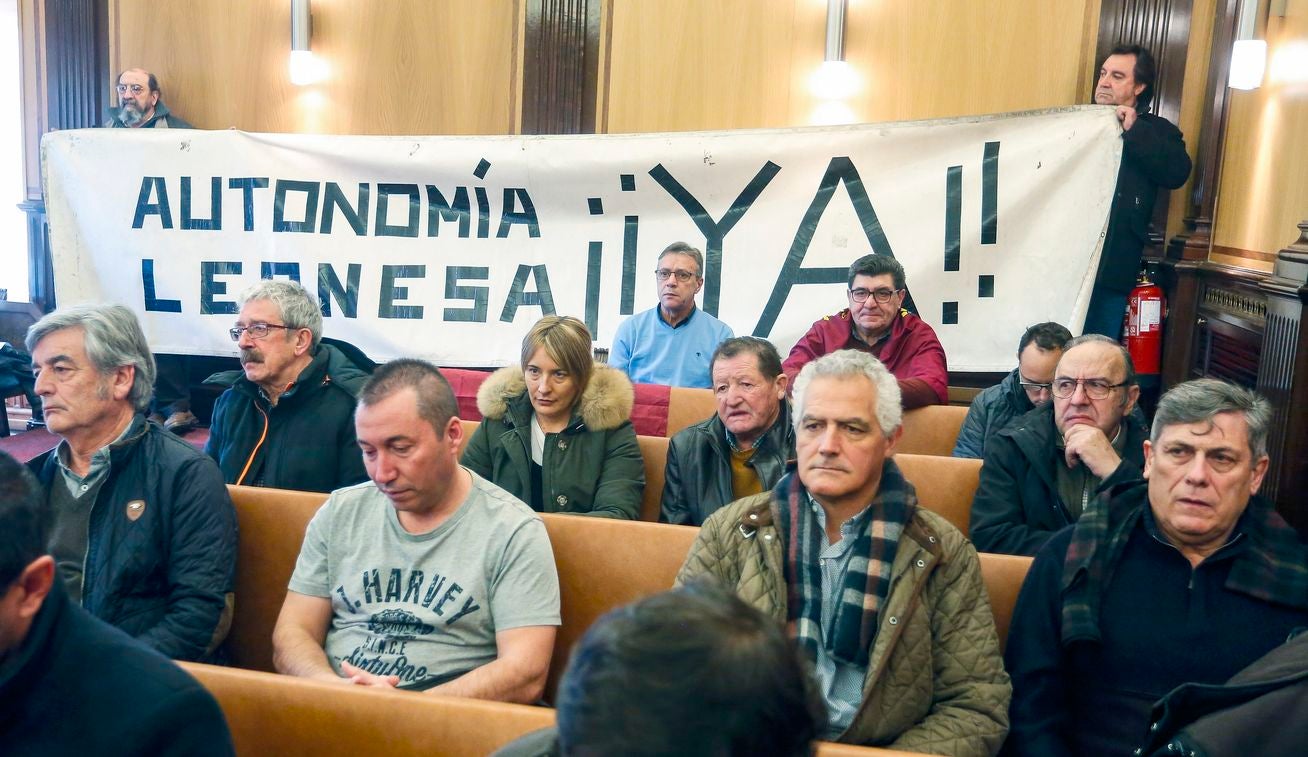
[[883, 597]]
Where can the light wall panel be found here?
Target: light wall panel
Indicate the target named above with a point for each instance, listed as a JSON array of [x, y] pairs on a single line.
[[393, 66], [692, 64], [1263, 191]]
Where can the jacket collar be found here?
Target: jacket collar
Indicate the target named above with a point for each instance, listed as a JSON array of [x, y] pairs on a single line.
[[1014, 394], [772, 439], [605, 404], [24, 666], [1272, 568], [314, 374], [761, 514]]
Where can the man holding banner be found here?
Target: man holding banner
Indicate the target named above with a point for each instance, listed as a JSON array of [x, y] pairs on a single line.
[[876, 322], [1153, 156]]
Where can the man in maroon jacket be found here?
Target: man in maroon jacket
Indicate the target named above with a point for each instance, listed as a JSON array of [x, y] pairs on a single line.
[[876, 322]]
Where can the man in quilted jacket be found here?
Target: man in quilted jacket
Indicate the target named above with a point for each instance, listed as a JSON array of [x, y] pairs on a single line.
[[142, 529], [882, 596]]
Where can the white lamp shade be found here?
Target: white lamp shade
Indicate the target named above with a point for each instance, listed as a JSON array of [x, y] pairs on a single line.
[[1248, 60]]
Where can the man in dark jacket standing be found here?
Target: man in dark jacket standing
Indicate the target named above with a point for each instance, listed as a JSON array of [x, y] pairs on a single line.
[[1044, 470], [287, 417], [1027, 386], [69, 684], [143, 531], [1153, 157], [743, 448], [1187, 577]]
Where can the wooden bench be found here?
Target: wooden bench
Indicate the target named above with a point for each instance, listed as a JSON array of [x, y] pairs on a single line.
[[602, 564], [1003, 576], [293, 717], [945, 485], [654, 453], [279, 715], [272, 523], [931, 430]]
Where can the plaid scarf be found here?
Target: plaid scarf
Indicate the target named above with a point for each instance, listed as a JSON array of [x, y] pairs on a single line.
[[1273, 569], [867, 579]]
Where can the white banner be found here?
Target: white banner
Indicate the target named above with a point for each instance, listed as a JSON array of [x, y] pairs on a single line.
[[449, 248]]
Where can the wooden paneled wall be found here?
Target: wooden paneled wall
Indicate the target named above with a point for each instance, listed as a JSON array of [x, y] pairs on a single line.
[[394, 66], [1193, 97], [1263, 190], [686, 64]]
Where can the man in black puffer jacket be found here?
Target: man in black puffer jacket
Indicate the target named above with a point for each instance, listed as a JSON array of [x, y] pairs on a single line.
[[142, 528], [287, 418]]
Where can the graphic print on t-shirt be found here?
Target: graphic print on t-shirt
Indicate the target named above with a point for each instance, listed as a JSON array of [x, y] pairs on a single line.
[[414, 606]]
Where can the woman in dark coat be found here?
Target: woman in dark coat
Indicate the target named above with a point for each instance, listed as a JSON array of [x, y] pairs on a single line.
[[556, 430]]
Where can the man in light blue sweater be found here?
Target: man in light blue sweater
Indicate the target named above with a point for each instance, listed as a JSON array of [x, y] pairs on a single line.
[[671, 344]]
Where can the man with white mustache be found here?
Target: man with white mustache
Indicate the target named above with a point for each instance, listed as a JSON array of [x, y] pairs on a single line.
[[286, 419]]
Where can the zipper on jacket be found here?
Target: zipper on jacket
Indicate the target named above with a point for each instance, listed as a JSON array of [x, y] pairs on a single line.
[[257, 445]]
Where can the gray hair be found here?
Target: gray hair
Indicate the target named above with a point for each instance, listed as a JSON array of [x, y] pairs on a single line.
[[682, 248], [297, 307], [1130, 379], [113, 339], [1201, 400], [849, 364]]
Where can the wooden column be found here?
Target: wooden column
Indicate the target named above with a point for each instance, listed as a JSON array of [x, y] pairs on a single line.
[[1283, 379], [560, 66], [1189, 248], [65, 86]]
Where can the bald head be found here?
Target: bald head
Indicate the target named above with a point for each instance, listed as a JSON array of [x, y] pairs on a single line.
[[1094, 384], [138, 93]]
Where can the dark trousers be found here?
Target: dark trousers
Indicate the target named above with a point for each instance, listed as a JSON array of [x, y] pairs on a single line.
[[1106, 313]]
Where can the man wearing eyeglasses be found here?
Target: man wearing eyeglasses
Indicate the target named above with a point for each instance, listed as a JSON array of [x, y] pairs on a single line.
[[286, 419], [875, 322], [1185, 577], [1027, 386], [671, 344], [140, 104], [1043, 471]]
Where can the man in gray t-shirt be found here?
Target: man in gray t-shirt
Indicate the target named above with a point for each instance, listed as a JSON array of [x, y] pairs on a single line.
[[429, 577]]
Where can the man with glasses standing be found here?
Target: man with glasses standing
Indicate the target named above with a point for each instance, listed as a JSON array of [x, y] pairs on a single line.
[[286, 419], [876, 322], [1027, 386], [673, 343], [1043, 471]]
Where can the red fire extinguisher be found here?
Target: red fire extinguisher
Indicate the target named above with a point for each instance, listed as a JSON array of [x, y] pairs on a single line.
[[1143, 336]]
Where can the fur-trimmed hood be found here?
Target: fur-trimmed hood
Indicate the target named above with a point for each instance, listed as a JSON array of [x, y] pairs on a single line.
[[605, 404]]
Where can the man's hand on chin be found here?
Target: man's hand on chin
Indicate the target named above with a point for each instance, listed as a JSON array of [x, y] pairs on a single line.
[[1087, 444]]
